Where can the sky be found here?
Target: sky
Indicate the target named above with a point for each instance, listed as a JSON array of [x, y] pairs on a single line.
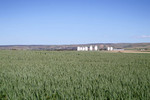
[[58, 22]]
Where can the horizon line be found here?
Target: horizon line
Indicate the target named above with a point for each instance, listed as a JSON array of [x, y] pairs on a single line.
[[71, 44]]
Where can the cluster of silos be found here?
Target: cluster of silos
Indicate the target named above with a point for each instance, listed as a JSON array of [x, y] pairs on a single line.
[[85, 48], [110, 48], [82, 48]]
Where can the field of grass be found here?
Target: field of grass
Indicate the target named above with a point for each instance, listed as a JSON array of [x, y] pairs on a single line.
[[70, 75]]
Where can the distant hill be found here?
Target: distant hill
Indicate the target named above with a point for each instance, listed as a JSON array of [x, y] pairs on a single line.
[[129, 46]]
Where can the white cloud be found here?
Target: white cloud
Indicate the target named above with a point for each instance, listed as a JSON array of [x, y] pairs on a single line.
[[145, 36]]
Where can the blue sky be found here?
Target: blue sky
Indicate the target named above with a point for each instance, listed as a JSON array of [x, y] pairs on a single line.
[[49, 22]]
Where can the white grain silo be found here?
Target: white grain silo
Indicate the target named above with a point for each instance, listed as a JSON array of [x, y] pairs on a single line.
[[86, 48], [111, 48], [78, 48], [83, 48], [108, 48], [91, 48], [96, 48]]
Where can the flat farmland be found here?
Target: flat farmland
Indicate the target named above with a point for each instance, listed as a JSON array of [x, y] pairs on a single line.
[[71, 75]]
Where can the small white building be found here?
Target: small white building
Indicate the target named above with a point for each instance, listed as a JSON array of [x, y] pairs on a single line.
[[119, 49]]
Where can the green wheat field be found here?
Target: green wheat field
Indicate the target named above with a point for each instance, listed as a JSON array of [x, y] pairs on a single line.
[[72, 75]]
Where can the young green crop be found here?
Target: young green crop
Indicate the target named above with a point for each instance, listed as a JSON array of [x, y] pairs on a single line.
[[70, 75]]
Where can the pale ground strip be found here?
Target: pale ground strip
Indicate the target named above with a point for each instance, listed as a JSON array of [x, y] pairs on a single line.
[[130, 51]]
